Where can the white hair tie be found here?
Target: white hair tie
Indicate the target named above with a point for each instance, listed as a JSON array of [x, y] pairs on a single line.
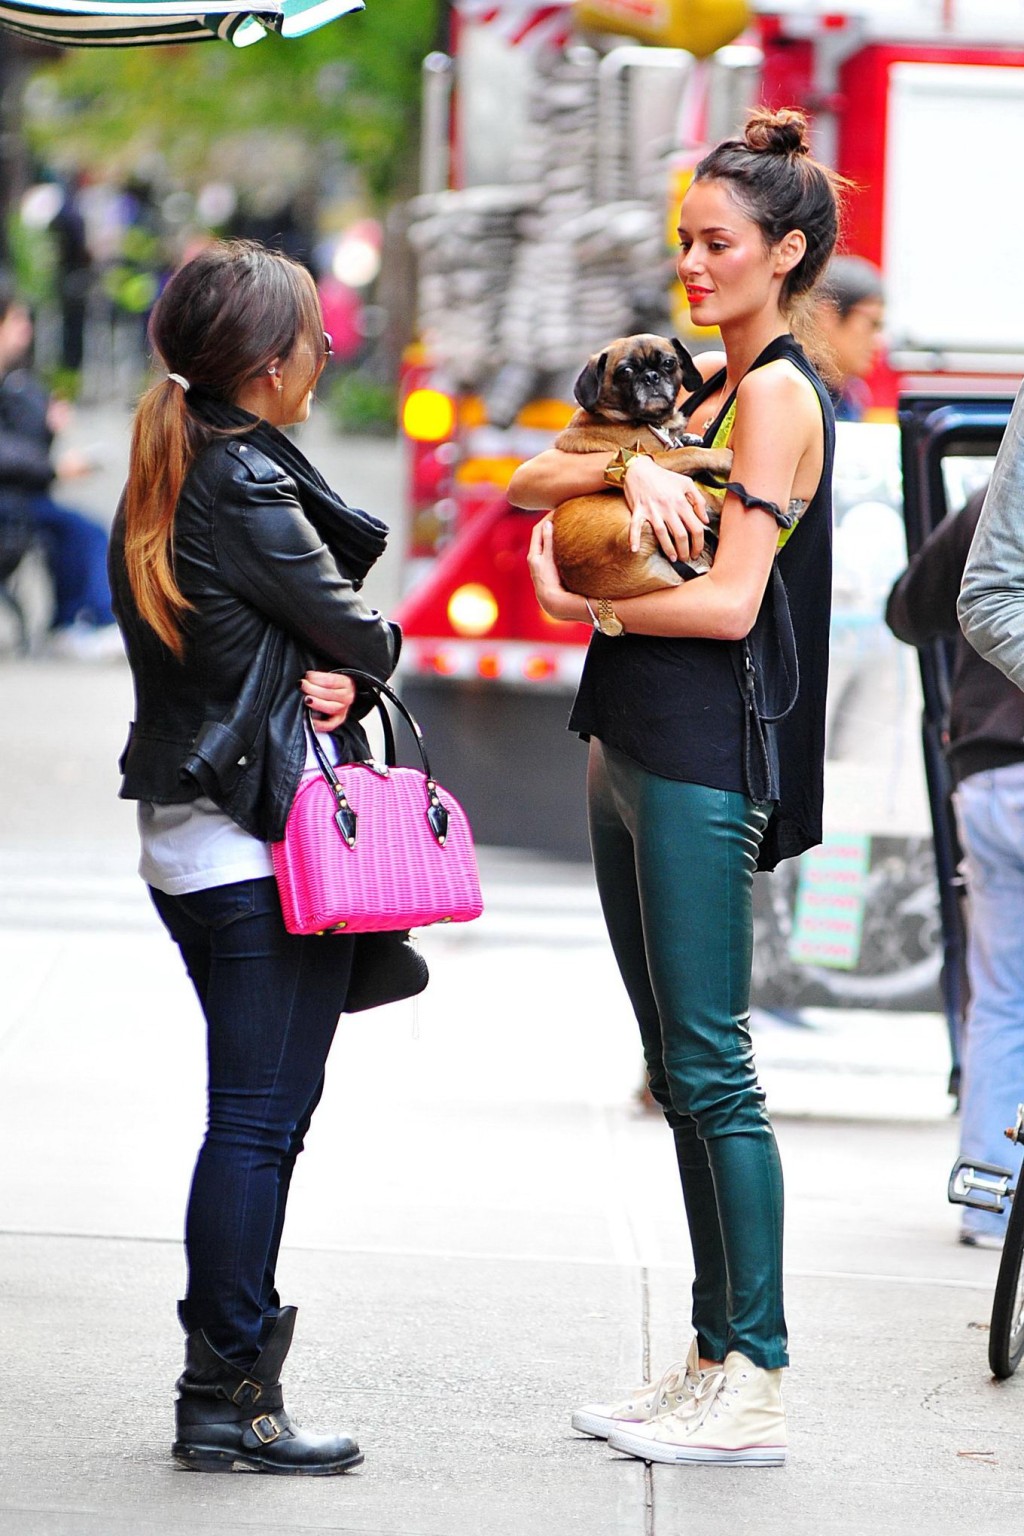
[[176, 378]]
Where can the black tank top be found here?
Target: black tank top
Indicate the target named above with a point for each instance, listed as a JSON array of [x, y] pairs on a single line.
[[676, 707]]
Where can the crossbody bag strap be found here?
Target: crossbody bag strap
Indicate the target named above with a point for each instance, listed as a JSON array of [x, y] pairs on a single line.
[[755, 744], [786, 636], [786, 520]]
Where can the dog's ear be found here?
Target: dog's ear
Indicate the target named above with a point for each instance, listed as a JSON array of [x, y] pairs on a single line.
[[587, 388], [692, 376]]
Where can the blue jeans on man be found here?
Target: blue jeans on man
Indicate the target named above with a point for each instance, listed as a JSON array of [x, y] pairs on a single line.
[[76, 554], [990, 814]]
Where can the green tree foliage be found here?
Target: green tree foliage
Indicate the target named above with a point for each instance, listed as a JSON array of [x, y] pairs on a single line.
[[352, 86]]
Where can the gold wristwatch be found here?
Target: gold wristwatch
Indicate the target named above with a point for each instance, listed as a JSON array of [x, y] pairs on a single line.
[[608, 621], [615, 470]]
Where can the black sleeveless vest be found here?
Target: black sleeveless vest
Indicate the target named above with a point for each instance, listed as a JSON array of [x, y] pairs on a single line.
[[680, 707]]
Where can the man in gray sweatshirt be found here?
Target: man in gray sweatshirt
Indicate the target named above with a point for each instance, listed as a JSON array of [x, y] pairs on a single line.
[[991, 613], [991, 603]]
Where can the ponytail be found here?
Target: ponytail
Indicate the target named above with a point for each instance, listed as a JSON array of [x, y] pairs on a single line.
[[160, 457]]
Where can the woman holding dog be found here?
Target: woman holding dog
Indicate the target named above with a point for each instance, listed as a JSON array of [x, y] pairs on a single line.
[[704, 705]]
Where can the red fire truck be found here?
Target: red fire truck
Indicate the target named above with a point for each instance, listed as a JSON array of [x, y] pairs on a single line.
[[557, 142]]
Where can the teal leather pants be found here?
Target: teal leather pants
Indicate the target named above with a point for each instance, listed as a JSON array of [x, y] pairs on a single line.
[[675, 865]]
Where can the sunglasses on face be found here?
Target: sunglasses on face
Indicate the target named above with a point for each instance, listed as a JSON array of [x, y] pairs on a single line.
[[326, 348], [326, 351]]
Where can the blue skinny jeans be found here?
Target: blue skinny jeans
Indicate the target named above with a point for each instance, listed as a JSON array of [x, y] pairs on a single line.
[[271, 1001], [675, 865]]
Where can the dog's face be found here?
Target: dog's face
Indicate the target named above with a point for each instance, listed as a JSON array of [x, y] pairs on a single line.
[[636, 379]]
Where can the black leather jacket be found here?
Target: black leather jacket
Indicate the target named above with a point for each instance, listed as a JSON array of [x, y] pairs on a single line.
[[270, 600]]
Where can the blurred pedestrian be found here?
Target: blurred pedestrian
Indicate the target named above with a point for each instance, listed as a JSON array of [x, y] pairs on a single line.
[[344, 314], [851, 316], [706, 762], [74, 273], [74, 545], [985, 753], [236, 572]]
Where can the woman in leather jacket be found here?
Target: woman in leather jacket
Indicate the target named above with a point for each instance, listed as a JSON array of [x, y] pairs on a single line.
[[236, 573]]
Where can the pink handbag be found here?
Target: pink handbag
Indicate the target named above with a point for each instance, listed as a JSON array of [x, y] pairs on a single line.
[[369, 847]]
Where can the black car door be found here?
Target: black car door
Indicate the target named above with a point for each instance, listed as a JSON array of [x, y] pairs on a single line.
[[948, 443]]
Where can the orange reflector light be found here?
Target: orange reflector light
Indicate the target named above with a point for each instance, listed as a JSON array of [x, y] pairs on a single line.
[[472, 610], [428, 416], [439, 661], [489, 666], [545, 415], [536, 668], [490, 471]]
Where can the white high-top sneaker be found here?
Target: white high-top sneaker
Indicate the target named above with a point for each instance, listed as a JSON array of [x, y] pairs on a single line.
[[671, 1393], [738, 1419]]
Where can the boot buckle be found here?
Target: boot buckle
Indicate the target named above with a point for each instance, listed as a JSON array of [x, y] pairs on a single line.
[[246, 1392], [267, 1429]]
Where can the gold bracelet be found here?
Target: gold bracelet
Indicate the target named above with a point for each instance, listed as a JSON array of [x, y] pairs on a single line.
[[615, 470]]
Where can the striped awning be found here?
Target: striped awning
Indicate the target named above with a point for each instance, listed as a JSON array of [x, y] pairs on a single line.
[[524, 23], [135, 23]]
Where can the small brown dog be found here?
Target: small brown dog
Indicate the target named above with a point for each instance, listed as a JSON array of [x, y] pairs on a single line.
[[632, 384]]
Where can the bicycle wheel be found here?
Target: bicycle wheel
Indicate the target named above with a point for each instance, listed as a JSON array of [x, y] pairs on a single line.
[[1006, 1336]]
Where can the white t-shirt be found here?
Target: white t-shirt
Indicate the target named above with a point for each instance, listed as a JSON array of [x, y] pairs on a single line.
[[195, 846]]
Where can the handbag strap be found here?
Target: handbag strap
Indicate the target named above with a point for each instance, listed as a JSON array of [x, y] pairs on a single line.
[[345, 817], [382, 692]]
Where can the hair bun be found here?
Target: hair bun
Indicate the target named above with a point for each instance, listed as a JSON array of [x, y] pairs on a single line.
[[777, 133]]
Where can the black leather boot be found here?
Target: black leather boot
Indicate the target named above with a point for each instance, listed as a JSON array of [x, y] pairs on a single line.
[[229, 1419]]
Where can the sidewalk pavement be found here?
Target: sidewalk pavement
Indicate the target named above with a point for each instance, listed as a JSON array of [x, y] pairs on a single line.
[[485, 1229]]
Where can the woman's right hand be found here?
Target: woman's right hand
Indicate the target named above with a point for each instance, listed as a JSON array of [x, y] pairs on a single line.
[[672, 504], [328, 696], [552, 596]]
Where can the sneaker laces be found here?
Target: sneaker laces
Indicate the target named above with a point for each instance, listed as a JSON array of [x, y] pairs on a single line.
[[670, 1379], [705, 1393]]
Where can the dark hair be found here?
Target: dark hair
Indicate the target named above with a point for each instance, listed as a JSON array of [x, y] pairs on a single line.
[[226, 314], [778, 184], [8, 295], [849, 281], [219, 323]]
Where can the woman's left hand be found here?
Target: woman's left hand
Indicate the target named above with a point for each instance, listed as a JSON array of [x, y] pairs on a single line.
[[670, 503], [328, 696]]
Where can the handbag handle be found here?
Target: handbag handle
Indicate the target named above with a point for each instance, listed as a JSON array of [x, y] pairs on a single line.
[[345, 817]]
